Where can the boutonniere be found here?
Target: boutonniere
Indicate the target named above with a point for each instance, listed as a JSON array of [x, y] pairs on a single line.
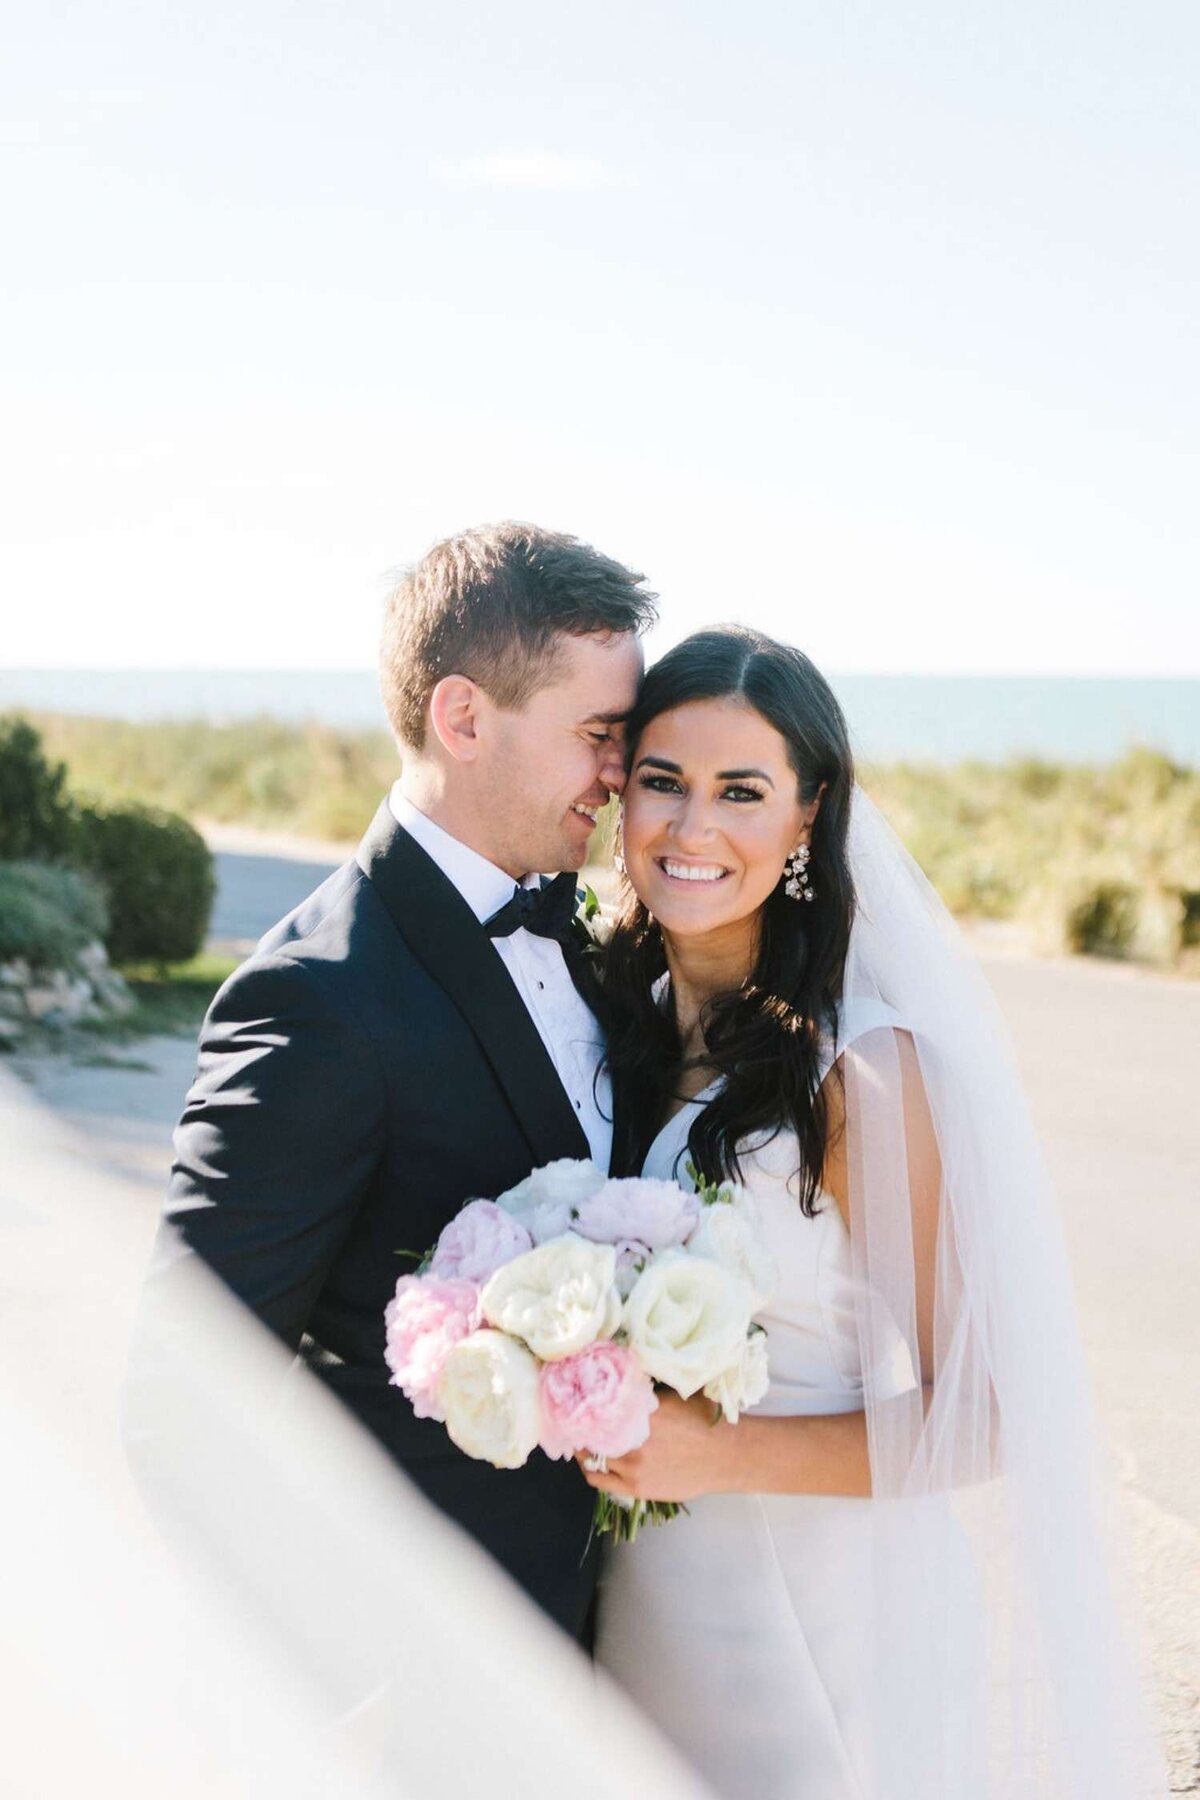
[[592, 925]]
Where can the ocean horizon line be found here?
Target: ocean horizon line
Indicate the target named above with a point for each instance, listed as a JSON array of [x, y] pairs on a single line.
[[938, 718], [40, 671]]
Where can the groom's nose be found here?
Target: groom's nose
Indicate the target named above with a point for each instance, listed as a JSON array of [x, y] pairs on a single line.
[[612, 765]]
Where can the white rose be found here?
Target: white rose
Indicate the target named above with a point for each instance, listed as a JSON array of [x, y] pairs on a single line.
[[744, 1382], [559, 1298], [686, 1320], [730, 1233], [547, 1200], [488, 1392]]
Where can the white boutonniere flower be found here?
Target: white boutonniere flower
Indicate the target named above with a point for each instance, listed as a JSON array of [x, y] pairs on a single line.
[[593, 925]]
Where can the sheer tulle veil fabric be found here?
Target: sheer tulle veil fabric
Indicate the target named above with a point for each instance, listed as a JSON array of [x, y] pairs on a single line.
[[1040, 1693]]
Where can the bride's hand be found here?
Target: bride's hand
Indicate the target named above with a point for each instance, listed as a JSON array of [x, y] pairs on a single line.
[[685, 1455]]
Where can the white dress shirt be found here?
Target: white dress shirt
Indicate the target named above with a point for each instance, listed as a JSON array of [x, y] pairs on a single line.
[[565, 1023]]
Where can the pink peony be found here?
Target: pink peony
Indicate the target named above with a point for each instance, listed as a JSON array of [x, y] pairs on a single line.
[[655, 1213], [425, 1319], [596, 1400], [478, 1241]]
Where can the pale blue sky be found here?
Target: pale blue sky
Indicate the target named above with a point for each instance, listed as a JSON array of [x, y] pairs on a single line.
[[874, 324]]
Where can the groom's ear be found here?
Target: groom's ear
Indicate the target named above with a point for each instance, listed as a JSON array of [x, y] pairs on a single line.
[[454, 716]]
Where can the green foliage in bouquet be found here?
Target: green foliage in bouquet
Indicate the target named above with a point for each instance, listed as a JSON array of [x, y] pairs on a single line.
[[48, 914], [157, 873]]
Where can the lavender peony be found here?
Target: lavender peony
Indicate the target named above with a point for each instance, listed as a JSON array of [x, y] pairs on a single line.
[[546, 1201], [478, 1241], [658, 1214]]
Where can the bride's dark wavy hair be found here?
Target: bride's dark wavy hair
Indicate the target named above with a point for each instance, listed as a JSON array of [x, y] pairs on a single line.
[[765, 1037]]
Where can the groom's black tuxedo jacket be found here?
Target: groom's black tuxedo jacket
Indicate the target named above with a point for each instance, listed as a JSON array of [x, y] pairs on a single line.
[[367, 1071]]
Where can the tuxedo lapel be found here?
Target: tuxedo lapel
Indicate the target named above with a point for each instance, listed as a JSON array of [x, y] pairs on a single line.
[[443, 933]]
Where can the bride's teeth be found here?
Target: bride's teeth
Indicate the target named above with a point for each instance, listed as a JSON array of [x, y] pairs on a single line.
[[682, 872]]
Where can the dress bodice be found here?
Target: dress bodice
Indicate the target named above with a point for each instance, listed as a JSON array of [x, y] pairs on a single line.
[[812, 1318]]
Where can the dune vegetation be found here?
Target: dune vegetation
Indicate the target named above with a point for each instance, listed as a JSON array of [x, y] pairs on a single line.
[[1090, 858]]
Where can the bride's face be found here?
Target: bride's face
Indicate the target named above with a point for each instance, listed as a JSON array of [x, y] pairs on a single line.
[[712, 810]]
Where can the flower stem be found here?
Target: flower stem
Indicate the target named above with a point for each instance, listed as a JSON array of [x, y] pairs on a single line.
[[621, 1520]]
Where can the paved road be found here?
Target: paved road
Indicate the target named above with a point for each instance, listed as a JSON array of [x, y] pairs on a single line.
[[1110, 1059], [254, 891]]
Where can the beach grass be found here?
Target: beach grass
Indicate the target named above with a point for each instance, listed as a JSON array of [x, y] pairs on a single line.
[[1098, 858]]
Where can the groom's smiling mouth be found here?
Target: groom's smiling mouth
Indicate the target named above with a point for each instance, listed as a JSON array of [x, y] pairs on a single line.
[[587, 809]]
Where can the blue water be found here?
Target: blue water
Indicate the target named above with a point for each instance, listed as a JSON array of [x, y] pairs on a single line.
[[939, 718]]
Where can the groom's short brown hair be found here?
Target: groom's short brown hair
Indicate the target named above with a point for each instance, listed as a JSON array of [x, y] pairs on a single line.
[[492, 604]]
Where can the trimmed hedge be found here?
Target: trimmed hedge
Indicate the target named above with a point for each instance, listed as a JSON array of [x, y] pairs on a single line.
[[35, 814], [157, 873], [48, 914]]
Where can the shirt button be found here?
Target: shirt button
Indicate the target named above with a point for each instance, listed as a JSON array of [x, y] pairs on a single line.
[[542, 985], [579, 1106]]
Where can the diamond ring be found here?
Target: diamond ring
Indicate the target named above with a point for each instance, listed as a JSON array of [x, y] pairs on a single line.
[[596, 1465]]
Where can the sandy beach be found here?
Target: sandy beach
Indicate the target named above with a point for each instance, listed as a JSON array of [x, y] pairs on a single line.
[[1109, 1055]]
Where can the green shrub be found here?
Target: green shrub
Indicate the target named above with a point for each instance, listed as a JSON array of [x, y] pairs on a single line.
[[35, 816], [1190, 928], [157, 873], [1104, 922], [48, 914]]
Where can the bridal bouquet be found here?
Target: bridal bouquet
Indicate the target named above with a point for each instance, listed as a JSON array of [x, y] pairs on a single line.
[[545, 1318]]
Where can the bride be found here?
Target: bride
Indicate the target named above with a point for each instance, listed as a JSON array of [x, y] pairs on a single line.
[[889, 1582]]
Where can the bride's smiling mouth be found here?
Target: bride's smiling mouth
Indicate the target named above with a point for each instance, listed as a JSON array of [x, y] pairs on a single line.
[[696, 874]]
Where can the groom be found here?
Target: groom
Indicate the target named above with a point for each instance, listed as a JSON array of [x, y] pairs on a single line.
[[411, 1036]]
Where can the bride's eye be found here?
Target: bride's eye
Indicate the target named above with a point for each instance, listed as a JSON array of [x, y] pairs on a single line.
[[658, 784], [742, 794]]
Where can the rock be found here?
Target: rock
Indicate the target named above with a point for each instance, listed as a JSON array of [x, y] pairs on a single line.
[[111, 994], [41, 1003], [93, 960], [12, 1003], [10, 1033], [15, 974]]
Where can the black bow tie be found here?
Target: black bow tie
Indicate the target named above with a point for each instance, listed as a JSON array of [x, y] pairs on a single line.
[[546, 911]]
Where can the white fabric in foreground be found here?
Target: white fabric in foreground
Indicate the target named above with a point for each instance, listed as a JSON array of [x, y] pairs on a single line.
[[329, 1636]]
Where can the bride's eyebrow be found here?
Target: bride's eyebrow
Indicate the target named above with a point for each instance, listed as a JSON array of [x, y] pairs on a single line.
[[672, 768], [741, 774]]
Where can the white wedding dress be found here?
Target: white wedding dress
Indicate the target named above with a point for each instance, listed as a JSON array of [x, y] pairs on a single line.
[[746, 1628]]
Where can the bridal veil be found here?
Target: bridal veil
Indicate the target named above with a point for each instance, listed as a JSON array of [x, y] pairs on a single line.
[[1027, 1687]]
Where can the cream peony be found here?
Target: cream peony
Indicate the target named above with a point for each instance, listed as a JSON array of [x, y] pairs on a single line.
[[744, 1382], [730, 1233], [686, 1319], [490, 1398], [558, 1298], [547, 1201]]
